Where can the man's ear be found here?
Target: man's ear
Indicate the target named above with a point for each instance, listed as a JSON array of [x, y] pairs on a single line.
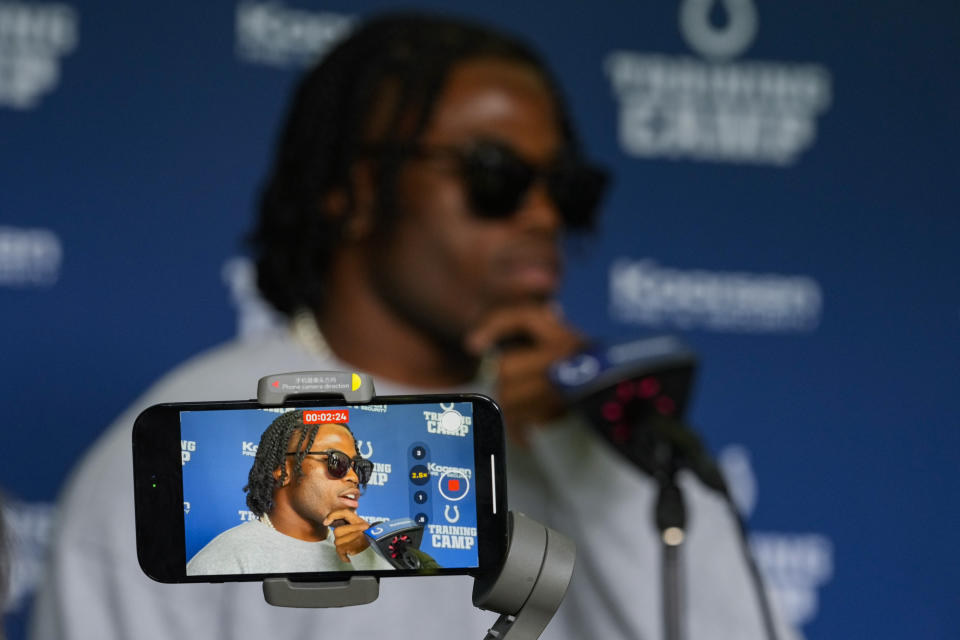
[[278, 472], [355, 208]]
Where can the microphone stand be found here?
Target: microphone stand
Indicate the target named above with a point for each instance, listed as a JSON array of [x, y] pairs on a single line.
[[662, 445], [633, 394], [670, 516]]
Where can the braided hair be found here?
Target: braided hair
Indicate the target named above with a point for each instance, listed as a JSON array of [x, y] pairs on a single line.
[[378, 86], [272, 455]]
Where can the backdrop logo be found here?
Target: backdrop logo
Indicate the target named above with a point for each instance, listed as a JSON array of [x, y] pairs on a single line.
[[577, 369], [714, 41], [187, 449], [373, 408], [33, 37], [442, 470], [793, 565], [643, 292], [680, 107], [451, 513], [28, 526], [270, 33], [444, 536], [381, 474], [29, 257], [449, 423], [255, 316], [368, 453]]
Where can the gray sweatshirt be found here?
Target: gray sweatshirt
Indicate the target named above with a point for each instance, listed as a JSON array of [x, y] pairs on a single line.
[[254, 547]]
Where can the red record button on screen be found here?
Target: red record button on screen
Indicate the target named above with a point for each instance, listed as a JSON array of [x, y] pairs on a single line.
[[454, 485]]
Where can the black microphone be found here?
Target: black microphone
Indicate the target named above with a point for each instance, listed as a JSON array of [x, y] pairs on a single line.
[[398, 541], [635, 395]]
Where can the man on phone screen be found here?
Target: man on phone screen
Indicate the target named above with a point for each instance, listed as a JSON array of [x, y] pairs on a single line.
[[304, 488], [410, 227]]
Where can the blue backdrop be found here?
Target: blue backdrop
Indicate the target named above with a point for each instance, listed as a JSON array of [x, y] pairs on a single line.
[[785, 199]]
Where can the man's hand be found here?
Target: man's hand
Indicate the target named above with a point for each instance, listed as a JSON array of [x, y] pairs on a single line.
[[524, 391], [348, 538]]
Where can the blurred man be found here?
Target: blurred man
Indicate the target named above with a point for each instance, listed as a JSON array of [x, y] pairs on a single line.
[[410, 227], [304, 488]]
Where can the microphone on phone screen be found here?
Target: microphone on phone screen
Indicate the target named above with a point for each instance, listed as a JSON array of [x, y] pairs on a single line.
[[398, 541]]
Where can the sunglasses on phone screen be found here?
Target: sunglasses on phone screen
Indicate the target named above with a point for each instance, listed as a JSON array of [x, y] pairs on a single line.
[[497, 179], [338, 463]]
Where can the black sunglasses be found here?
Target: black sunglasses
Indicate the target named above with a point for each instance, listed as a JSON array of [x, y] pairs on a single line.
[[497, 178], [338, 463]]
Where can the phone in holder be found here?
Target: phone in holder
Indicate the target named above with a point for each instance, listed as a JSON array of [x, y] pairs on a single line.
[[420, 478]]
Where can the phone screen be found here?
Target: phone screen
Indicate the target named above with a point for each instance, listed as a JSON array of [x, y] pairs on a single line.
[[432, 486]]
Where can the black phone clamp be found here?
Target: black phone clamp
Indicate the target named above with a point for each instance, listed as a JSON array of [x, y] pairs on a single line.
[[527, 588]]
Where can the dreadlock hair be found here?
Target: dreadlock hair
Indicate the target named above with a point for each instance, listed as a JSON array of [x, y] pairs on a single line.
[[392, 67], [272, 455]]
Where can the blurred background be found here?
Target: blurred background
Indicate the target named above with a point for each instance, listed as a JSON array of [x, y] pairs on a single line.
[[787, 184]]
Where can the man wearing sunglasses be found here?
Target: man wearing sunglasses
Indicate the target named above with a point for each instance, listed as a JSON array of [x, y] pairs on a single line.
[[410, 227], [304, 487]]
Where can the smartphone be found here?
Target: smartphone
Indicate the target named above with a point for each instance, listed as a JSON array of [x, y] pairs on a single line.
[[437, 482]]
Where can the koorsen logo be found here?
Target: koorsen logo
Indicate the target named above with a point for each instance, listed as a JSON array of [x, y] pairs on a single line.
[[439, 469], [270, 33], [643, 292], [29, 257]]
